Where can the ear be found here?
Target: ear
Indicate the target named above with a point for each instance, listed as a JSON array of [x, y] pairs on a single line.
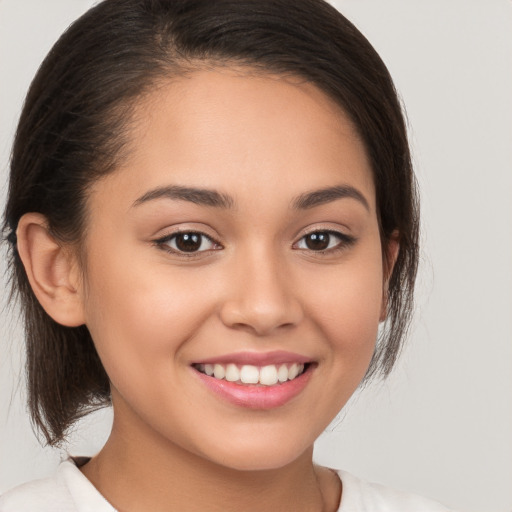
[[52, 269], [390, 254]]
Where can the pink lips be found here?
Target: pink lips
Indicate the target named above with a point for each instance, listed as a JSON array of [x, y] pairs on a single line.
[[256, 396], [257, 358]]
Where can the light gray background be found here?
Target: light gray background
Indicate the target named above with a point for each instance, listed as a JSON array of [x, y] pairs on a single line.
[[442, 424]]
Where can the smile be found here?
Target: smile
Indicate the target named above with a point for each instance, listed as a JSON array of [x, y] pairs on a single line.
[[268, 375], [256, 381]]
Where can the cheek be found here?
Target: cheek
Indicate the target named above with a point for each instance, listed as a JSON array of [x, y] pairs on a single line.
[[346, 305], [139, 318]]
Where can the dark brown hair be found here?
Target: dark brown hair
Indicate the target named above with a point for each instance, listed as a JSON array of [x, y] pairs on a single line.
[[74, 127]]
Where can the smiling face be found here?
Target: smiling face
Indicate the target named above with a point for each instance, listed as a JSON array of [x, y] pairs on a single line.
[[240, 237]]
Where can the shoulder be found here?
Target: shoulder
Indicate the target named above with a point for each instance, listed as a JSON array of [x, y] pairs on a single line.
[[43, 495], [66, 491], [361, 496]]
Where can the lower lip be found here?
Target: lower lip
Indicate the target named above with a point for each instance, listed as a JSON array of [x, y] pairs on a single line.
[[257, 396]]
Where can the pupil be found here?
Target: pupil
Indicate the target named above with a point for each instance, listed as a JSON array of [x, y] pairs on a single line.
[[188, 242], [317, 241]]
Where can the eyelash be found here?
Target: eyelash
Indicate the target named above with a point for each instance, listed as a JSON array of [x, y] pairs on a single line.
[[345, 241], [163, 242]]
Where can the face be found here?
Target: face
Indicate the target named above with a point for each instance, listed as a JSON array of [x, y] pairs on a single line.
[[239, 237]]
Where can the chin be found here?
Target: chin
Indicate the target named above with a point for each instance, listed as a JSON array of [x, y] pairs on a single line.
[[259, 458]]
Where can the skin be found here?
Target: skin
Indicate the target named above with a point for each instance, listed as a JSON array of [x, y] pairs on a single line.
[[264, 141]]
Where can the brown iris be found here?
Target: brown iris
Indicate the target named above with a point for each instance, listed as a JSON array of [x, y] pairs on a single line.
[[188, 242], [318, 241]]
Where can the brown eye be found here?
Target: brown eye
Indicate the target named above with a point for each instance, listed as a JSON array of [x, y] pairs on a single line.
[[324, 241], [318, 241], [187, 242]]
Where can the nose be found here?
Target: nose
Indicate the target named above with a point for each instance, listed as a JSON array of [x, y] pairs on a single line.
[[262, 296]]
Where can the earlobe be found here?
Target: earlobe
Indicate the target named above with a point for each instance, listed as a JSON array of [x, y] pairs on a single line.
[[389, 260], [52, 270]]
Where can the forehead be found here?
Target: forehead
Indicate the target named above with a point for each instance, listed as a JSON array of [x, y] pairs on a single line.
[[251, 133]]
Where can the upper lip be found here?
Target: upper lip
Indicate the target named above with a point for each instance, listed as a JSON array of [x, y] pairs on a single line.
[[257, 358]]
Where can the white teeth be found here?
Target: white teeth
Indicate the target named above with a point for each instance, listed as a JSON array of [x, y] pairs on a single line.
[[282, 373], [218, 371], [293, 371], [268, 375], [249, 374], [232, 373]]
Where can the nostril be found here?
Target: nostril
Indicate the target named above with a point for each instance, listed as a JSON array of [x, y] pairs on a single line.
[[261, 318]]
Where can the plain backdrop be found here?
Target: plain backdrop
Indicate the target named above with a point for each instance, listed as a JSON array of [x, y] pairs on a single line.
[[442, 424]]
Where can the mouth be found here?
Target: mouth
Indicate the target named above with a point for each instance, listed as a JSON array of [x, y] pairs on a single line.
[[256, 382], [268, 375]]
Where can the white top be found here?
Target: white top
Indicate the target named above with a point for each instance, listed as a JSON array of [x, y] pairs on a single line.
[[70, 491]]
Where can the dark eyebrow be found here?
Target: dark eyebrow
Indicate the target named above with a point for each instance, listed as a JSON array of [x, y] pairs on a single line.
[[201, 196], [327, 195]]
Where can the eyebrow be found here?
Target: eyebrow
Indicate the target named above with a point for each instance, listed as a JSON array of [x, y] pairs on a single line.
[[213, 198], [200, 196], [327, 195]]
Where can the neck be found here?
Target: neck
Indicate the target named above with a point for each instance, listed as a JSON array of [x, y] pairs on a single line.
[[145, 472]]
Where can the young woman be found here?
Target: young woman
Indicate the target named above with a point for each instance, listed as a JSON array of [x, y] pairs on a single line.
[[211, 212]]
